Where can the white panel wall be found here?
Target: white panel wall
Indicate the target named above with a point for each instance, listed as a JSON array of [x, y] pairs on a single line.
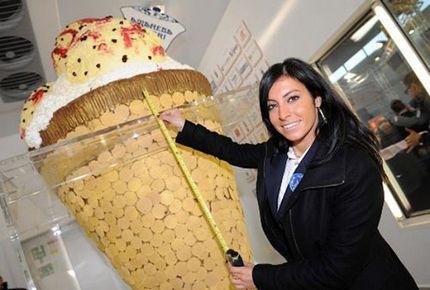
[[11, 146], [46, 25], [10, 123], [303, 29], [411, 245], [283, 28]]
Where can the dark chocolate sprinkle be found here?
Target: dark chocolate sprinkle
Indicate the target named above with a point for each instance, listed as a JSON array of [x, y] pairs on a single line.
[[94, 47], [114, 40], [74, 74], [61, 39], [124, 58], [114, 29], [84, 38], [149, 57], [23, 120], [25, 109], [85, 73], [79, 59], [98, 65], [32, 112], [121, 22]]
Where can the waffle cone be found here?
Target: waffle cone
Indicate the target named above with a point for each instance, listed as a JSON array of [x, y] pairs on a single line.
[[130, 196]]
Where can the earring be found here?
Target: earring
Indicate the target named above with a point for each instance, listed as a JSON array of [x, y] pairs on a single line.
[[322, 115]]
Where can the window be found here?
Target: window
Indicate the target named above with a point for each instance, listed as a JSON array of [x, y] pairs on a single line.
[[368, 68], [413, 18]]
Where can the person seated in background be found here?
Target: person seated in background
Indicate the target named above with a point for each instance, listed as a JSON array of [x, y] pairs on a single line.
[[405, 166], [412, 125], [389, 134], [408, 117]]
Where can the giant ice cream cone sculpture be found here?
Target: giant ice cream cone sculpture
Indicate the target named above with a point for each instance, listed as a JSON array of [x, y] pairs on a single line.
[[138, 210]]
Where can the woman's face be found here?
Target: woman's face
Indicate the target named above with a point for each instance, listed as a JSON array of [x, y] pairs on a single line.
[[293, 112]]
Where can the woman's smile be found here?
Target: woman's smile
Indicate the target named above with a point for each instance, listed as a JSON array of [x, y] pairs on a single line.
[[291, 125]]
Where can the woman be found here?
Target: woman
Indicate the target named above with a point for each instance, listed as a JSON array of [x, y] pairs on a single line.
[[319, 187]]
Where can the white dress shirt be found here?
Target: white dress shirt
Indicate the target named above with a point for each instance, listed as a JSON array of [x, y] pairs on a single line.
[[290, 166]]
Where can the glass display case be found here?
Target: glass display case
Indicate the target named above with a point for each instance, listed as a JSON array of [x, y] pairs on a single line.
[[120, 187]]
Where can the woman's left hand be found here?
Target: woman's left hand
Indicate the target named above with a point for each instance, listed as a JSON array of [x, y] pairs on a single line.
[[241, 277]]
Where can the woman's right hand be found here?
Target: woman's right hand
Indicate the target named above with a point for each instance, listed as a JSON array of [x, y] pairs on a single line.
[[173, 117]]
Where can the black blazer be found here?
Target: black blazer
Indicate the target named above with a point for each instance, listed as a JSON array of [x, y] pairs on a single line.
[[327, 231]]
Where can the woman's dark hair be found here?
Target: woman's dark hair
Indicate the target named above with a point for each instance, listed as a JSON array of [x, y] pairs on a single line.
[[342, 125]]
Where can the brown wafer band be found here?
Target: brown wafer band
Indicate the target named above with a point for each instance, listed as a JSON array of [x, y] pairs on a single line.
[[92, 104]]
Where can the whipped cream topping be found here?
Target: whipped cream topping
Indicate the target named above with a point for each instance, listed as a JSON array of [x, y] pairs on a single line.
[[63, 92]]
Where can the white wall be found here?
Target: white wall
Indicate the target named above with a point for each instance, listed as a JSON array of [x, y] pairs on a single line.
[[283, 28], [411, 245], [46, 25], [10, 122], [303, 29], [11, 146]]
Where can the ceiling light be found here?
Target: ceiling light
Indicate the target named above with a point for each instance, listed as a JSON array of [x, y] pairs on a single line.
[[363, 30], [378, 45], [349, 75]]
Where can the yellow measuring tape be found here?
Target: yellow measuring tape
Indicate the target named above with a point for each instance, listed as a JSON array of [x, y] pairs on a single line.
[[177, 154]]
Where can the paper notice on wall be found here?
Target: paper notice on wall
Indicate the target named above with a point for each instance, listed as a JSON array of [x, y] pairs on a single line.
[[165, 26], [241, 63]]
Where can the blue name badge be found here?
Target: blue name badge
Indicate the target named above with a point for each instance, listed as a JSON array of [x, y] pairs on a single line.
[[295, 180]]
